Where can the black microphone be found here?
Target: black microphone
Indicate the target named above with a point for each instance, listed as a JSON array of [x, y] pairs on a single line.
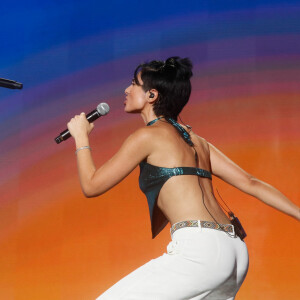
[[101, 110], [10, 84]]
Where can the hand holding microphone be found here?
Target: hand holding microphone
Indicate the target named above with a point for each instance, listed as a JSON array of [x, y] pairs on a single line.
[[78, 125]]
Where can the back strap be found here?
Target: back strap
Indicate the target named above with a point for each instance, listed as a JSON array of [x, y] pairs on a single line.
[[189, 171]]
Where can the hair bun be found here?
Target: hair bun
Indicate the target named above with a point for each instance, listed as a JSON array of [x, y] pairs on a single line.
[[169, 67], [171, 61], [183, 67]]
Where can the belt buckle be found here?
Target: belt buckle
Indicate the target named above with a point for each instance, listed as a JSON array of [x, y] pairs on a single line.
[[233, 232]]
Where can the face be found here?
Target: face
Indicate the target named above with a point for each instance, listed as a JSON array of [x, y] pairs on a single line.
[[135, 97]]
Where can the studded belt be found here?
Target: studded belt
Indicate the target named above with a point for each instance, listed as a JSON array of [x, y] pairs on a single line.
[[202, 224]]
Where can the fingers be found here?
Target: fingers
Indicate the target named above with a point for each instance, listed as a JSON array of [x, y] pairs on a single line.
[[78, 116]]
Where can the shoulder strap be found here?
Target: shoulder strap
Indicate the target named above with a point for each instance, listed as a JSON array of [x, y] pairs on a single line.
[[185, 135]]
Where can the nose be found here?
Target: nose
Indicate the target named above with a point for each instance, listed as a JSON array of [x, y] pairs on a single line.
[[127, 90]]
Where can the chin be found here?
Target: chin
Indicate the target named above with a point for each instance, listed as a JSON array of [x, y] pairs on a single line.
[[132, 111]]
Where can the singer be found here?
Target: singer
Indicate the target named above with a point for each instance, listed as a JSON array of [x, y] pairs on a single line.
[[207, 257]]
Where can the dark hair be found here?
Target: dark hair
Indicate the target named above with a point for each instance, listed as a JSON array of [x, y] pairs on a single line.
[[171, 78]]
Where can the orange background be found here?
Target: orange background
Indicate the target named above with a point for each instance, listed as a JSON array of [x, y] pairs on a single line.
[[56, 244]]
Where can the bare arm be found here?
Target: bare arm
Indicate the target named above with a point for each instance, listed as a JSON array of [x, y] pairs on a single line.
[[95, 182], [231, 173]]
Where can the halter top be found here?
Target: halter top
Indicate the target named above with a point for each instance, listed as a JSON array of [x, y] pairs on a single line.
[[152, 178]]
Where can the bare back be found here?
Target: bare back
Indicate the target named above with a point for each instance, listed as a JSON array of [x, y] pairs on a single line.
[[181, 197]]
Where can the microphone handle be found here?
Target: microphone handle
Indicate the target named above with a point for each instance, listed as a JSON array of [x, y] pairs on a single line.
[[91, 117], [10, 84]]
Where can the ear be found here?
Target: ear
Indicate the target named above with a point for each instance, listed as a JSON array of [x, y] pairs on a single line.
[[152, 95]]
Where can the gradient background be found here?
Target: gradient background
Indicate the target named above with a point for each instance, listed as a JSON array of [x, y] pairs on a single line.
[[72, 55]]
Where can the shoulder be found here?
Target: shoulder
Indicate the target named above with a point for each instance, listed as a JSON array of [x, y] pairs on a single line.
[[140, 139], [199, 140], [202, 140], [142, 134]]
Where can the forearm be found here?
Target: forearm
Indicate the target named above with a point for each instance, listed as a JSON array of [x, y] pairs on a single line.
[[271, 196], [85, 165]]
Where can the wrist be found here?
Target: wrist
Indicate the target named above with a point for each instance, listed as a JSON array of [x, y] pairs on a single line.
[[82, 141]]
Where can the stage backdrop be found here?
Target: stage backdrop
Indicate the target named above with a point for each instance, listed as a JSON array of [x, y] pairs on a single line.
[[72, 55]]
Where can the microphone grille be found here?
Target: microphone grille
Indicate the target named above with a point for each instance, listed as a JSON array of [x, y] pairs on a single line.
[[103, 109]]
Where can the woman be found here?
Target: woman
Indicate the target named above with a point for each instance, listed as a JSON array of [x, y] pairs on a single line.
[[206, 259]]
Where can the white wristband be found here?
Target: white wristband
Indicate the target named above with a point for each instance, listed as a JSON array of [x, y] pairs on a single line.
[[81, 148]]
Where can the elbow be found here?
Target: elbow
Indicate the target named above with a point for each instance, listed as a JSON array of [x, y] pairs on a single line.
[[252, 186], [254, 181], [92, 188], [88, 195], [90, 192]]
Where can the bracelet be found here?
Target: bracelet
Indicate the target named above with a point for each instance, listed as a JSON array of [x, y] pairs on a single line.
[[81, 148]]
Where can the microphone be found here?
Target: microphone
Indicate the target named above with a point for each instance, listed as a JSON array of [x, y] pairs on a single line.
[[10, 84], [101, 110]]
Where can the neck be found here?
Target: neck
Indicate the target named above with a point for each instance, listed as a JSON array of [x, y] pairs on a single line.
[[154, 121], [148, 116]]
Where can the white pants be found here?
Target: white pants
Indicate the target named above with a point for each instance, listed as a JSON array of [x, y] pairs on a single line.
[[200, 263]]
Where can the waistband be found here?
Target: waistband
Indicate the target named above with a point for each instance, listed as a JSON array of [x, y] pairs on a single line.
[[203, 224]]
